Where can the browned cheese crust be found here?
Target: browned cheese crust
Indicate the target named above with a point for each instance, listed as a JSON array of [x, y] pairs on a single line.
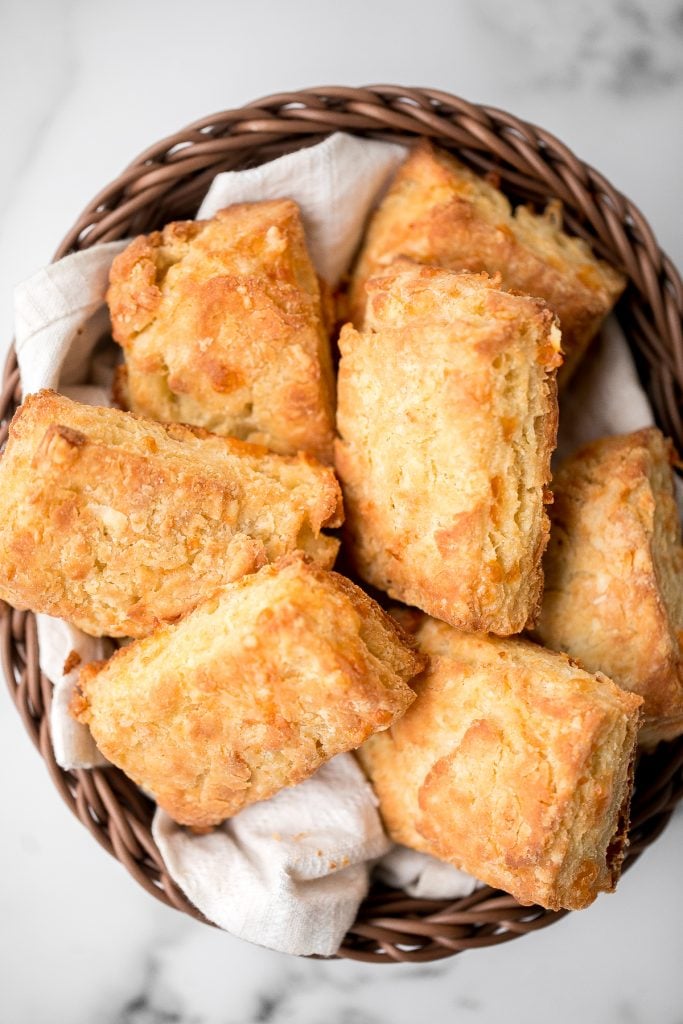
[[513, 764], [116, 523], [438, 211], [221, 326], [447, 411], [614, 572], [251, 692]]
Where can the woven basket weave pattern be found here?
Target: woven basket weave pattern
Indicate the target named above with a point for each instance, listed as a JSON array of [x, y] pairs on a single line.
[[167, 182]]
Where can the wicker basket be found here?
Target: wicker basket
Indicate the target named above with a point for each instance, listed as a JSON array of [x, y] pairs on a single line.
[[168, 182]]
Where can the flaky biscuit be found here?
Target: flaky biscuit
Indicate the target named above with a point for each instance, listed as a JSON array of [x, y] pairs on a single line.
[[221, 326], [447, 413], [251, 692], [116, 523], [513, 764], [614, 572], [437, 211]]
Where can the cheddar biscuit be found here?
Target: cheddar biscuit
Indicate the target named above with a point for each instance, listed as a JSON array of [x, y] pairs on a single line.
[[221, 326], [447, 414], [116, 523], [614, 572], [513, 764], [439, 212], [251, 692]]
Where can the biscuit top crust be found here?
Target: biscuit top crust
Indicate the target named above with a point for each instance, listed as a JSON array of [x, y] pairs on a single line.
[[410, 295]]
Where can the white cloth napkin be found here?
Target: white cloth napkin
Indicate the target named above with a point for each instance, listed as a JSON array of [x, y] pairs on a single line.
[[299, 861], [604, 396], [58, 641], [59, 317], [423, 877], [335, 184], [260, 876]]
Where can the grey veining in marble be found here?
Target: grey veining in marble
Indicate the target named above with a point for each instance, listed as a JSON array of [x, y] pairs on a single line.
[[625, 47], [84, 85]]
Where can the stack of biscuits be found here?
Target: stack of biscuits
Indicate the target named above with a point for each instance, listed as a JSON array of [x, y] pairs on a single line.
[[494, 667]]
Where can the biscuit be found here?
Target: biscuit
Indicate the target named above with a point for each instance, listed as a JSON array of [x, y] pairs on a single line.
[[221, 326], [250, 692], [614, 572], [438, 211], [513, 764], [116, 523], [447, 412]]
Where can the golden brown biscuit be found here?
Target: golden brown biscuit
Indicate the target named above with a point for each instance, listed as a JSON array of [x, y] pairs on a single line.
[[221, 326], [251, 692], [116, 523], [513, 764], [614, 572], [447, 411], [438, 211]]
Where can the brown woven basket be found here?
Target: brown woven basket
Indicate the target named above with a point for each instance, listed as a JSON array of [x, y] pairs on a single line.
[[167, 182]]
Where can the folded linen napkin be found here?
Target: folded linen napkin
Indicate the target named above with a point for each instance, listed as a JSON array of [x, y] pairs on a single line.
[[288, 873]]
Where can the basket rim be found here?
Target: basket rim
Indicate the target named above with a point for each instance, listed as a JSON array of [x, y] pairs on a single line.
[[533, 163]]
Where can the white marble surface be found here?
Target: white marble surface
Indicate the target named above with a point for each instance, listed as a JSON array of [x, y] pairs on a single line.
[[83, 87]]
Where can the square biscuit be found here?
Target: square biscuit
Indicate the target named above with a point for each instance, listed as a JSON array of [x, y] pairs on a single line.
[[513, 764], [250, 692], [117, 523], [614, 572], [222, 327], [447, 415], [439, 212]]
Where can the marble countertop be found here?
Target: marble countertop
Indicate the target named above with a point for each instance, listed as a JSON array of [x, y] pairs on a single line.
[[84, 86]]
